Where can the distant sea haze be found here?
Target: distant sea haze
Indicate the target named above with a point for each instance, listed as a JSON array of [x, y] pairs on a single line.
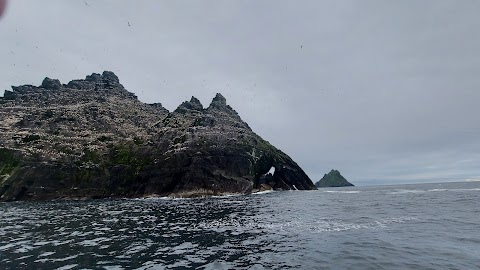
[[427, 226]]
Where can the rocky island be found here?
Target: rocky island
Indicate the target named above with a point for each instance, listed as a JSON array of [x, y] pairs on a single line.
[[92, 138], [333, 179]]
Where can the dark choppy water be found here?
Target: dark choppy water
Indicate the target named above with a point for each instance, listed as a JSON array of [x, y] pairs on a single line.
[[431, 226]]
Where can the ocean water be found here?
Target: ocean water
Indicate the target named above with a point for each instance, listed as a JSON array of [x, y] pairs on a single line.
[[428, 226]]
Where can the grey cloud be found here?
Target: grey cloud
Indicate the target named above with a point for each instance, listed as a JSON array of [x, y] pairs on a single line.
[[383, 91]]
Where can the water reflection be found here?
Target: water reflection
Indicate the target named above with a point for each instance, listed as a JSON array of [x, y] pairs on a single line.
[[137, 233]]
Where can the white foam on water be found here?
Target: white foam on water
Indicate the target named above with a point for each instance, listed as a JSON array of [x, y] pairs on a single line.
[[113, 267], [183, 248], [102, 228], [419, 191], [337, 226], [79, 234], [43, 243], [112, 220], [46, 254], [103, 262], [263, 192], [230, 201], [184, 264], [104, 246], [58, 259], [25, 249], [195, 259], [23, 257], [153, 265], [299, 224], [406, 191], [7, 246], [113, 213], [138, 247], [219, 265], [226, 196], [465, 189], [93, 242], [61, 243], [152, 198], [67, 267], [343, 191]]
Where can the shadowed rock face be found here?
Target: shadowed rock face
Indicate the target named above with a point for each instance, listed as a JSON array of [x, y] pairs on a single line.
[[92, 139], [333, 179]]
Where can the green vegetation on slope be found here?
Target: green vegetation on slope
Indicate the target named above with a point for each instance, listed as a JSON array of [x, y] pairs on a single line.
[[8, 162]]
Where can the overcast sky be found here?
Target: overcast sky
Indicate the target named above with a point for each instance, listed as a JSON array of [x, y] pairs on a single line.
[[387, 92]]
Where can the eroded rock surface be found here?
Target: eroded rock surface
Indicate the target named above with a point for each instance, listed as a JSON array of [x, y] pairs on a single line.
[[92, 138]]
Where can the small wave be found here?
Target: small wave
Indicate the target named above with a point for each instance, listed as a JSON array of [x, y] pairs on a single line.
[[343, 191], [137, 248], [406, 191], [226, 196], [69, 258], [263, 192], [113, 267], [93, 242], [46, 254], [67, 267], [166, 198], [295, 225], [7, 246], [337, 226], [152, 198], [465, 189]]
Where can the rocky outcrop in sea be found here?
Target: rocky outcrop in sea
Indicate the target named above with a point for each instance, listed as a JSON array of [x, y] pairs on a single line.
[[333, 179], [92, 138]]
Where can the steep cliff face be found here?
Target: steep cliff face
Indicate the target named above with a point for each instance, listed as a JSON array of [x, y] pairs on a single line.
[[333, 179], [92, 138]]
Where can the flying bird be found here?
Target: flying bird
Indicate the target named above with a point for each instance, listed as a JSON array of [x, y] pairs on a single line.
[[128, 24], [86, 3], [301, 46]]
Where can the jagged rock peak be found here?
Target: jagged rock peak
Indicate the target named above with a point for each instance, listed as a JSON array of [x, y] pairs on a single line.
[[52, 84], [94, 86], [219, 99], [334, 172], [8, 95], [110, 76], [195, 101], [95, 77], [219, 103], [156, 105], [193, 104], [106, 76]]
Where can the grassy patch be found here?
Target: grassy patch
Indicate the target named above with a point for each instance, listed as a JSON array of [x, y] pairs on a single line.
[[8, 161]]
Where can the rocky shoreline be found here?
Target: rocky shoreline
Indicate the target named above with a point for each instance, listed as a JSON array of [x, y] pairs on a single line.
[[92, 138]]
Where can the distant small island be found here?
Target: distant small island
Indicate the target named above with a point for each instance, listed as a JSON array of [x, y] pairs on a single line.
[[333, 179]]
